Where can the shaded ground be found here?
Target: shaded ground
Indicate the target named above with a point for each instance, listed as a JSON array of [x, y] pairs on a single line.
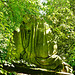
[[21, 69]]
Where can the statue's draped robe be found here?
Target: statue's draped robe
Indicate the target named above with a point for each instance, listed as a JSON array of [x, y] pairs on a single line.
[[34, 46]]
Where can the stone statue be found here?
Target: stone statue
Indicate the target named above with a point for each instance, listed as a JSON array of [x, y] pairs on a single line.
[[37, 45]]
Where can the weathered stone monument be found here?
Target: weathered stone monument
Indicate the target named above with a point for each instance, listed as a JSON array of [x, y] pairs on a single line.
[[37, 45]]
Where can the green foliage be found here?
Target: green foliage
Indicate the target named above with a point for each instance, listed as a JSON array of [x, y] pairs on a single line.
[[12, 14], [11, 17], [72, 3], [61, 19], [59, 15]]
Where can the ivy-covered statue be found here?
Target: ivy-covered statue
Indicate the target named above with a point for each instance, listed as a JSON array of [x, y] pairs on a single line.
[[36, 44]]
